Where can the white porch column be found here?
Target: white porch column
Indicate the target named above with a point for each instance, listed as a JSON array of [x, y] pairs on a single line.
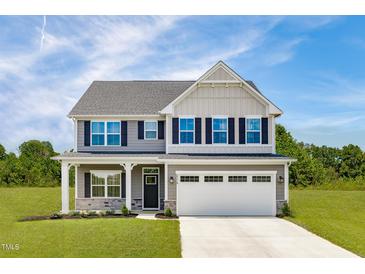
[[286, 182], [128, 167], [166, 183], [65, 187]]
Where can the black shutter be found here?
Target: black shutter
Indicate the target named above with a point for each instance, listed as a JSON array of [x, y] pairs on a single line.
[[140, 130], [161, 130], [264, 131], [87, 184], [123, 185], [198, 130], [87, 133], [230, 130], [208, 130], [123, 133], [175, 130], [242, 130]]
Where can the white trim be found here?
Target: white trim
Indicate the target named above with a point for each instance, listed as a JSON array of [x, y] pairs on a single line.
[[116, 117], [166, 182], [75, 134], [144, 130], [273, 134], [193, 130], [167, 133], [104, 174], [225, 172], [158, 185], [286, 182]]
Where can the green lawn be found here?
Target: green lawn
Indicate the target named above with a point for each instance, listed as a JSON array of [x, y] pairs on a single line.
[[78, 238], [338, 216]]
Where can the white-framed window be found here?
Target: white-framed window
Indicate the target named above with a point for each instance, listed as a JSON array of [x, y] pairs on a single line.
[[219, 130], [151, 180], [253, 130], [261, 179], [105, 133], [187, 130], [150, 130], [151, 170], [106, 184], [98, 133]]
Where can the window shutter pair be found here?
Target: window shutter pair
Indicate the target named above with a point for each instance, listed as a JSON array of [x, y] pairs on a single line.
[[264, 130], [176, 131], [87, 183], [208, 130], [160, 130], [123, 133]]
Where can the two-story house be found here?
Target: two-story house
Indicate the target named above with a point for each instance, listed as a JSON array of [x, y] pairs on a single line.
[[204, 147]]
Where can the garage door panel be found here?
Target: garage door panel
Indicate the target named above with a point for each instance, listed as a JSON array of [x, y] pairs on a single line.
[[226, 198]]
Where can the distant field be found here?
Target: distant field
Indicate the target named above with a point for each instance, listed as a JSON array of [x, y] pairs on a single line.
[[78, 238], [338, 216]]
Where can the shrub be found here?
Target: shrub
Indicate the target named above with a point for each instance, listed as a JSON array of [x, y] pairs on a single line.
[[56, 215], [74, 213], [125, 210], [110, 212], [92, 213], [84, 214], [102, 213], [168, 212], [285, 210]]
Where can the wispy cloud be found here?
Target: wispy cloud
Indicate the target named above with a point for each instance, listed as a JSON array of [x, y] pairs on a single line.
[[43, 31]]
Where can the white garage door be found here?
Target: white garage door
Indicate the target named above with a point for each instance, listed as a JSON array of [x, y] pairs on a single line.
[[228, 193]]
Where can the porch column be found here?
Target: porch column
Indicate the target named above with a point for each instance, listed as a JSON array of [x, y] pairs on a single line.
[[128, 167], [286, 182], [166, 183], [65, 187]]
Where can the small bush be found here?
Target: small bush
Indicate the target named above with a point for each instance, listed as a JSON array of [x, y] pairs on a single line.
[[285, 210], [102, 213], [92, 213], [125, 210], [84, 214], [56, 215], [168, 212], [75, 213], [110, 212]]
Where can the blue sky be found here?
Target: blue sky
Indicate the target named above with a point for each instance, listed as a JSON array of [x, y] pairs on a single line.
[[311, 67]]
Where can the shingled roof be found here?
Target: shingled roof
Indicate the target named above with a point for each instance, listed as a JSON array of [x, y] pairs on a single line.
[[130, 97]]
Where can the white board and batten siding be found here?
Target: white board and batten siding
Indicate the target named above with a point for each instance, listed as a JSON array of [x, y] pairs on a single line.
[[232, 101]]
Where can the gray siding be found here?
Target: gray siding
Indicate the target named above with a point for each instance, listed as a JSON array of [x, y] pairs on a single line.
[[173, 168], [133, 143], [136, 179]]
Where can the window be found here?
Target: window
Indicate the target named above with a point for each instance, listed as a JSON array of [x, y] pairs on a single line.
[[113, 133], [150, 170], [105, 133], [105, 185], [237, 179], [150, 130], [194, 179], [261, 179], [219, 130], [208, 179], [186, 130], [97, 133], [253, 130], [151, 180]]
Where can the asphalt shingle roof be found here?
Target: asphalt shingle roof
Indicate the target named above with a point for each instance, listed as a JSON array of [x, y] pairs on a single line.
[[128, 97]]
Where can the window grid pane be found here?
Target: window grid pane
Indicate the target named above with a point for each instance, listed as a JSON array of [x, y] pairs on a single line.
[[238, 179], [113, 127], [151, 134], [219, 124], [186, 137], [97, 127], [97, 139], [253, 137], [186, 124], [113, 179], [98, 191], [189, 179], [253, 124], [220, 137], [261, 179], [151, 126], [150, 170], [213, 179], [113, 191]]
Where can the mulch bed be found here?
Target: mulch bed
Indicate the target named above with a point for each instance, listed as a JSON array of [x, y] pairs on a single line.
[[162, 216], [67, 217]]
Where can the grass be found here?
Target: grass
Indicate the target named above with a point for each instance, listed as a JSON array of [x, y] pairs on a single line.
[[78, 238], [338, 216]]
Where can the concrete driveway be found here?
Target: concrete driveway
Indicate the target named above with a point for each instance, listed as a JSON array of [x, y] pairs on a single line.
[[248, 237]]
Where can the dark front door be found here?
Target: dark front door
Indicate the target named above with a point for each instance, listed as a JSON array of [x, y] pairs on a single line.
[[150, 191]]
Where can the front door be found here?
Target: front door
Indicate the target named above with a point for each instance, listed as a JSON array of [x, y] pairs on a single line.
[[150, 192]]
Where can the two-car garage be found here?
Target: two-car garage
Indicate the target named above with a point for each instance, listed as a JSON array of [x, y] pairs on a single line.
[[233, 192]]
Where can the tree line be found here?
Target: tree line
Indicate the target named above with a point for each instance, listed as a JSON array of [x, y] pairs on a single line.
[[315, 165]]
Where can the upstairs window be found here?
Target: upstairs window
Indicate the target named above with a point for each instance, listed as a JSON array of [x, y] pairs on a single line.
[[113, 133], [220, 130], [150, 130], [253, 130], [186, 130], [97, 133]]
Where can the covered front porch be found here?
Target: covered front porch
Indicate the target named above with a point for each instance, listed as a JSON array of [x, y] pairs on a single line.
[[108, 183]]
